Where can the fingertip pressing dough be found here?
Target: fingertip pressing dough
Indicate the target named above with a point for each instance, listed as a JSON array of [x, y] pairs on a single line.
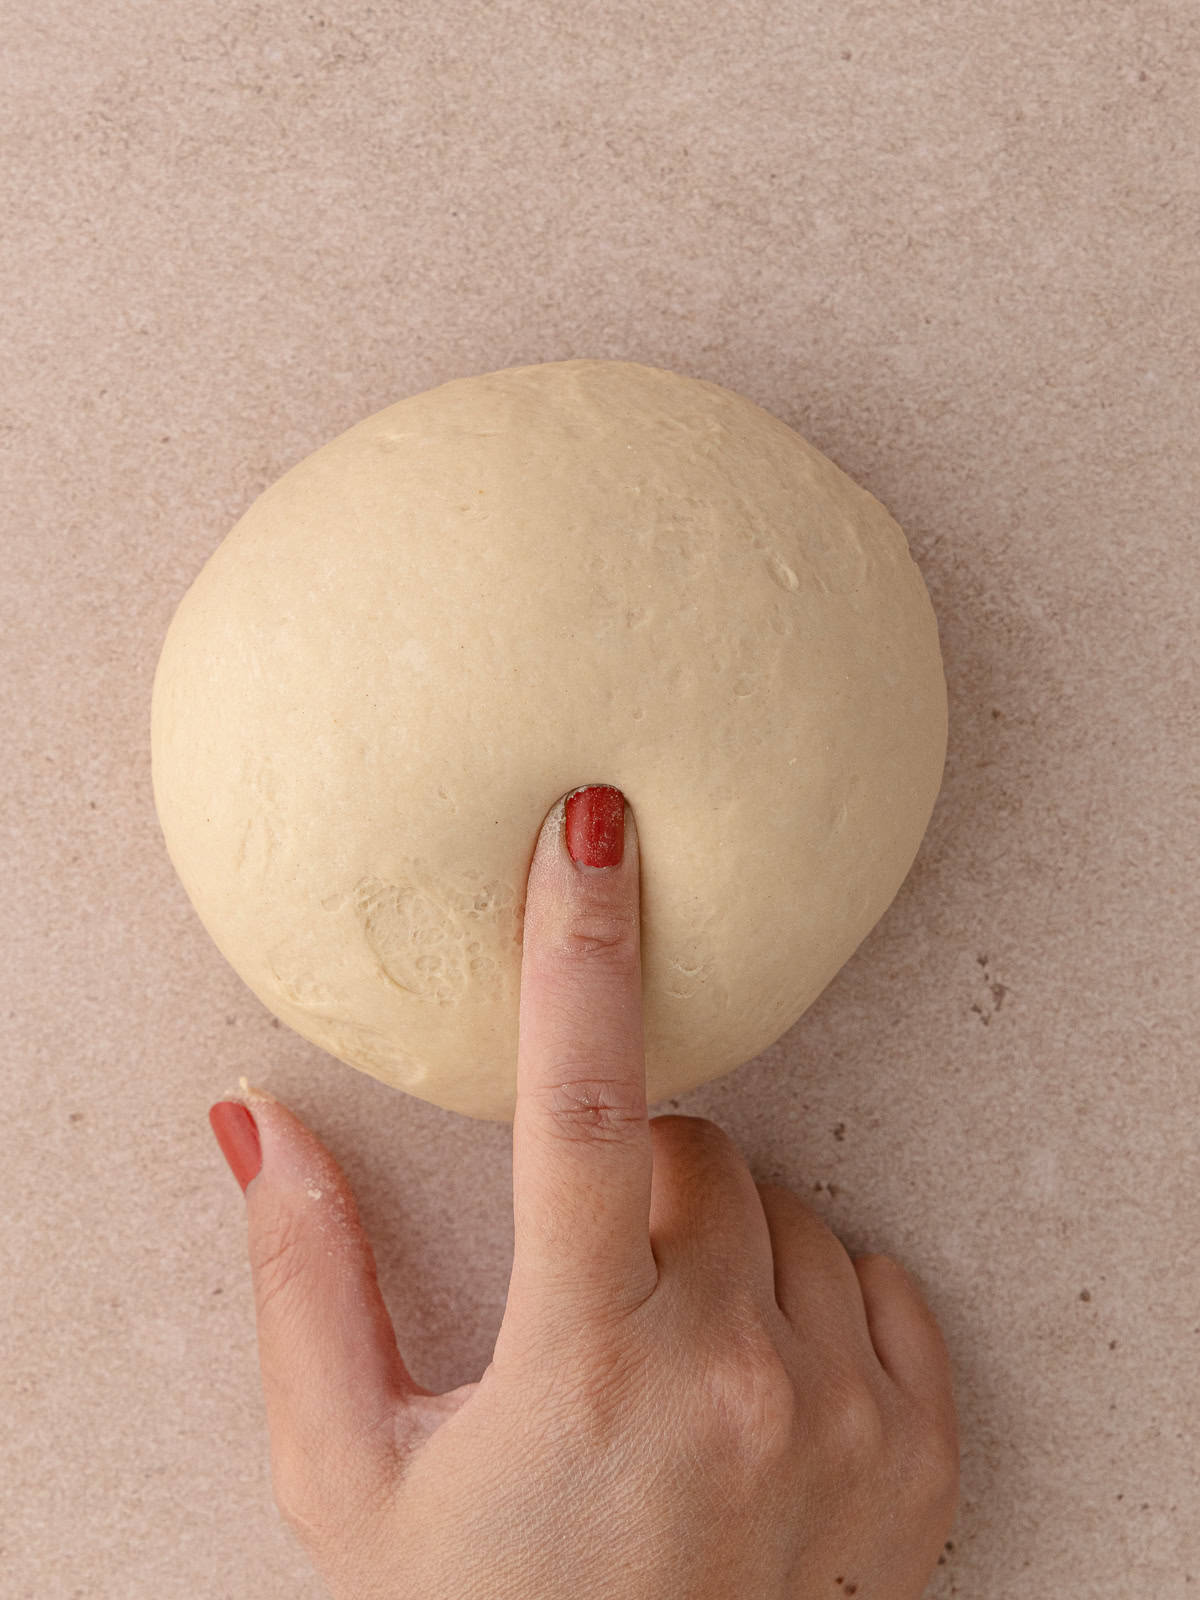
[[487, 595]]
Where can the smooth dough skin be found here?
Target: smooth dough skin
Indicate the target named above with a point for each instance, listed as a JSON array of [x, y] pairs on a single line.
[[492, 593]]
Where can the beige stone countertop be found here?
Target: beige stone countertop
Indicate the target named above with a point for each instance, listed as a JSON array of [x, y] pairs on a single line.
[[956, 246]]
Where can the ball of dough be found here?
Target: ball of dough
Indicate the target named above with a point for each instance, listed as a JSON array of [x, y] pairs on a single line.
[[487, 595]]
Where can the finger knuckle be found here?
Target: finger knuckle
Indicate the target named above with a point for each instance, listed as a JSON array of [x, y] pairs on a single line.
[[749, 1399], [852, 1426], [590, 1108], [604, 935]]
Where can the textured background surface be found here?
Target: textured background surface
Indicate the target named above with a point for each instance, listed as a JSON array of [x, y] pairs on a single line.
[[956, 247]]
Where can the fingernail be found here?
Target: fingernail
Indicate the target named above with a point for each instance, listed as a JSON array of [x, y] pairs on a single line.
[[237, 1134], [596, 826]]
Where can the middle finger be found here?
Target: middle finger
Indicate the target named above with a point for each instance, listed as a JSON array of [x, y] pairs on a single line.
[[707, 1228]]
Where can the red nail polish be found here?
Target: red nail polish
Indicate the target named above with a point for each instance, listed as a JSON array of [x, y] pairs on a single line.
[[237, 1134], [596, 826]]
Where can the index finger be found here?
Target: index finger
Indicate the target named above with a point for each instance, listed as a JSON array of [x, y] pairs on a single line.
[[582, 1156]]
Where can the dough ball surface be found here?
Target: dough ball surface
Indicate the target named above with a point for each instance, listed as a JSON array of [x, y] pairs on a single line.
[[490, 594]]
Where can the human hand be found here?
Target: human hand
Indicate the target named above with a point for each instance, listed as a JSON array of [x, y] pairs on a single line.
[[695, 1393]]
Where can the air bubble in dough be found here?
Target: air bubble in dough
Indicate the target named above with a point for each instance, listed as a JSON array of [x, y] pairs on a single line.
[[487, 595]]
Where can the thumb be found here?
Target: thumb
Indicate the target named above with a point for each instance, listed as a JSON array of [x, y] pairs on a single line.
[[333, 1380]]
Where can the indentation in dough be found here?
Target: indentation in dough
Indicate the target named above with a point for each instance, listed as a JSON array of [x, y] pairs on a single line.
[[423, 941], [399, 438], [687, 974], [781, 573], [299, 986], [847, 795], [680, 681], [743, 687], [683, 557], [256, 847], [262, 834]]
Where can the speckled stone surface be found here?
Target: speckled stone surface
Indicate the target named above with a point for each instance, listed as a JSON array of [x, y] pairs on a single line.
[[956, 247]]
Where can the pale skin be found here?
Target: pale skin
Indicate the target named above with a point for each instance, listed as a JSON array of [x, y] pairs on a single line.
[[695, 1394]]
